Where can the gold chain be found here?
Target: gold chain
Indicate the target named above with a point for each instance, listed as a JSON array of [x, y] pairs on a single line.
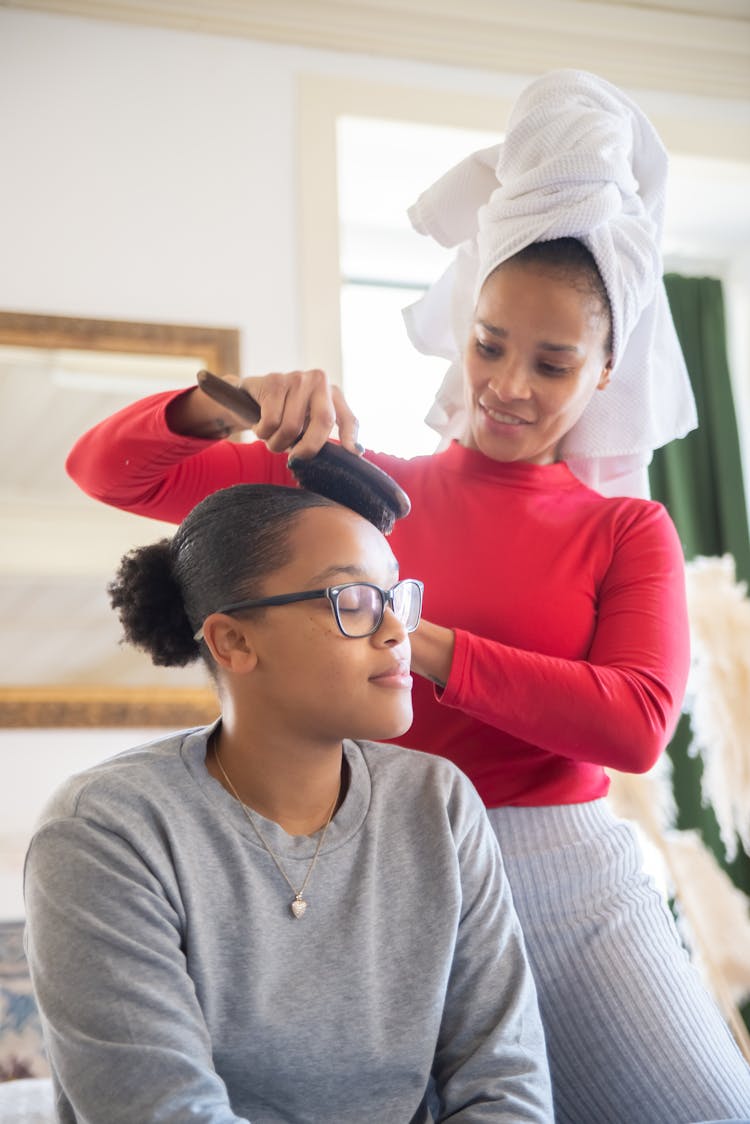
[[299, 905]]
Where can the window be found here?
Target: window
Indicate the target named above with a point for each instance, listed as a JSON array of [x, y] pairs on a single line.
[[385, 266]]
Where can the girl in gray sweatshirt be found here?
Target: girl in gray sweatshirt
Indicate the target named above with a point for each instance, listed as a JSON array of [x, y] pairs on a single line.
[[274, 918]]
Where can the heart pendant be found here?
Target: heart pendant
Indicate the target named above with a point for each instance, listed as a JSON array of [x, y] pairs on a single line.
[[298, 908]]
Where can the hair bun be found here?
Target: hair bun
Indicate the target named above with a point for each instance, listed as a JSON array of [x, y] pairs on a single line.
[[149, 604]]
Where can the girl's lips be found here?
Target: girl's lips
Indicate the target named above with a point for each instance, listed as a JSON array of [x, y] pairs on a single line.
[[398, 675]]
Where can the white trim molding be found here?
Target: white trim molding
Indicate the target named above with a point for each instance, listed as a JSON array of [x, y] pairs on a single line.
[[685, 47]]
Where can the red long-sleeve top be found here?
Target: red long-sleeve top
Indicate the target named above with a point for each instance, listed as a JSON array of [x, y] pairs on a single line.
[[568, 609]]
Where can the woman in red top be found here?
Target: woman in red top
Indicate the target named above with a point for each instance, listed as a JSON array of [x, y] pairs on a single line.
[[555, 642]]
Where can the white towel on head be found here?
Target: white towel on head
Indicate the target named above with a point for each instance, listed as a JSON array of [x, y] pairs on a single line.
[[579, 160]]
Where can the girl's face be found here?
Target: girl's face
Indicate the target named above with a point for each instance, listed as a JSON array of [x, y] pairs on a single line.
[[315, 683], [536, 354]]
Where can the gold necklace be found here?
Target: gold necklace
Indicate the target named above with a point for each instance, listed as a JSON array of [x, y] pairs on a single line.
[[298, 905]]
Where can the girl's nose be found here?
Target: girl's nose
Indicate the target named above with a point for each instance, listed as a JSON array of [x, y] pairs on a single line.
[[391, 631]]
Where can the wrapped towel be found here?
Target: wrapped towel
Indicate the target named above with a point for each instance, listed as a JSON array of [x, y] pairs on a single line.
[[579, 160]]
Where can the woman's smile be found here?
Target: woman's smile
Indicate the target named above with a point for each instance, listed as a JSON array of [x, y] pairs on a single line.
[[503, 418]]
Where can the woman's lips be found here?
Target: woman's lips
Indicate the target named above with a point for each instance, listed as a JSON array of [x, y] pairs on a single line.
[[501, 417]]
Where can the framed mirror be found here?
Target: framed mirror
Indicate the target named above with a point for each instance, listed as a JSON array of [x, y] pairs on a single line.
[[62, 662]]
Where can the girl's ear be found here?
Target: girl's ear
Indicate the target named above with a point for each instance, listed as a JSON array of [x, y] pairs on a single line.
[[229, 643]]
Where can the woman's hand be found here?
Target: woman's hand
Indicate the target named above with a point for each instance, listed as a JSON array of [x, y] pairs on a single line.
[[291, 403], [432, 652], [301, 401]]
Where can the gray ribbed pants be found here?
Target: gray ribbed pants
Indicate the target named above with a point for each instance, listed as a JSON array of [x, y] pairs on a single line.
[[633, 1037]]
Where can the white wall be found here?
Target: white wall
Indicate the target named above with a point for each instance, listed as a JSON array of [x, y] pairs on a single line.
[[152, 174], [136, 183]]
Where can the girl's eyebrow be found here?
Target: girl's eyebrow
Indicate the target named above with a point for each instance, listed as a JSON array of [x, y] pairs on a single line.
[[356, 573], [333, 571]]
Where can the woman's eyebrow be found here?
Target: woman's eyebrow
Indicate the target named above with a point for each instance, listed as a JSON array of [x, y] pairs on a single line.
[[501, 332], [547, 345]]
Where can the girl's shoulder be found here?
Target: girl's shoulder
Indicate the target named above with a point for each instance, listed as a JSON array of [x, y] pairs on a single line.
[[107, 792], [406, 775]]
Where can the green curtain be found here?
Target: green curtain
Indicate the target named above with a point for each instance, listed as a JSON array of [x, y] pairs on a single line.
[[699, 480]]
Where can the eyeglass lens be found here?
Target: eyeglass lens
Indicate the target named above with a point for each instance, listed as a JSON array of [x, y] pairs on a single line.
[[407, 604], [360, 607]]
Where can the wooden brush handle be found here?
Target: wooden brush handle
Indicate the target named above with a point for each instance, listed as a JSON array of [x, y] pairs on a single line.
[[233, 397]]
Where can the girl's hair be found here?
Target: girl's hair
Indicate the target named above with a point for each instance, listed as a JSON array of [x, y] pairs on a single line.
[[574, 263], [220, 553]]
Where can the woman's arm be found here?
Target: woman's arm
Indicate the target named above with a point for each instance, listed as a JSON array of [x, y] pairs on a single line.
[[125, 1035], [491, 1061], [163, 454], [618, 707]]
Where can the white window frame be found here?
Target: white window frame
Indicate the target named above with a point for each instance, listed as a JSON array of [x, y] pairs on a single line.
[[321, 101]]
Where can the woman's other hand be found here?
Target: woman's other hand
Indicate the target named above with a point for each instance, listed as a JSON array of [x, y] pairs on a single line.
[[432, 652]]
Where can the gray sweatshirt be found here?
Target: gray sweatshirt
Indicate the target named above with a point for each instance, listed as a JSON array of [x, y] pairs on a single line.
[[175, 985]]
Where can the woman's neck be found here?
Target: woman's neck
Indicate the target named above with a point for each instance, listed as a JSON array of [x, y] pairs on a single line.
[[295, 786]]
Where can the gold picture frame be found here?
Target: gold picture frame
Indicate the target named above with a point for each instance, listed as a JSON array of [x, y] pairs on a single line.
[[106, 707], [48, 706], [218, 347]]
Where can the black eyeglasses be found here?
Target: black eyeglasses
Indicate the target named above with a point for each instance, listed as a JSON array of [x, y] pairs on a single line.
[[358, 607]]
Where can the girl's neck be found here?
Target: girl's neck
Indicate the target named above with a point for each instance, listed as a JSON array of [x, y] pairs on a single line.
[[296, 786]]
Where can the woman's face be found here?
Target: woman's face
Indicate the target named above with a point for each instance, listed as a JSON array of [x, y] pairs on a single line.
[[315, 683], [536, 354]]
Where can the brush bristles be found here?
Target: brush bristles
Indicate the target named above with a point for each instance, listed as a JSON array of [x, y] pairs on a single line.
[[354, 483]]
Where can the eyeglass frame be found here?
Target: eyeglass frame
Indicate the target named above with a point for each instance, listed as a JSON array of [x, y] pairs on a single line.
[[332, 593]]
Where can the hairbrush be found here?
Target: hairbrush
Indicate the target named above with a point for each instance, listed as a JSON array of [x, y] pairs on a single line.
[[333, 471]]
